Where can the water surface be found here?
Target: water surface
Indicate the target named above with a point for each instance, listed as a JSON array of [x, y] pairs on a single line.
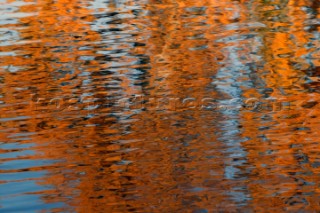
[[159, 106]]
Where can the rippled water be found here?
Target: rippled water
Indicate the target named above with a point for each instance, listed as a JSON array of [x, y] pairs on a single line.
[[159, 106]]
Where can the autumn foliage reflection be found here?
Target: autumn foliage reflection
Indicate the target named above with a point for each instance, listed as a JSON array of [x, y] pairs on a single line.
[[71, 73]]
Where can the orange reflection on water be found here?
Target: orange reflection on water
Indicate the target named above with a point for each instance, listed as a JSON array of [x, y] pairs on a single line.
[[72, 138]]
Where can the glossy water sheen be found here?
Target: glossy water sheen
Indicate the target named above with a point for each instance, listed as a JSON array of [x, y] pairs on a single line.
[[102, 106]]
